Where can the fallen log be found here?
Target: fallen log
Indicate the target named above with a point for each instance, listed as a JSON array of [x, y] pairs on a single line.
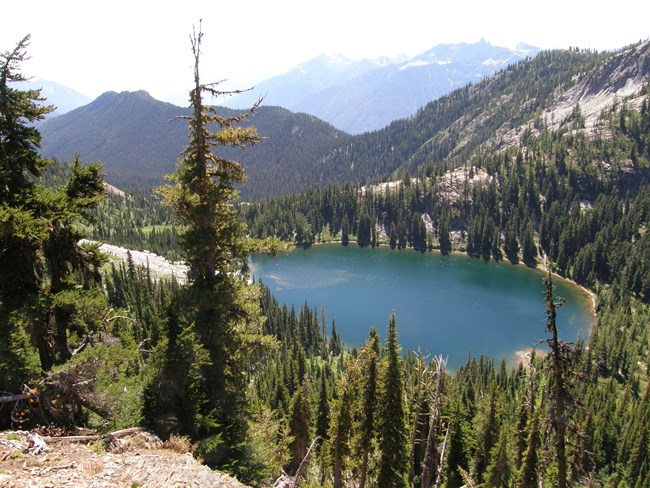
[[90, 438]]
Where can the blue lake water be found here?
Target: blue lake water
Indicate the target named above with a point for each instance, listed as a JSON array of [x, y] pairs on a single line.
[[450, 305]]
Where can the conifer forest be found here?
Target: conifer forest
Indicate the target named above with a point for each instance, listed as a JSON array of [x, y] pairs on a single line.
[[266, 391]]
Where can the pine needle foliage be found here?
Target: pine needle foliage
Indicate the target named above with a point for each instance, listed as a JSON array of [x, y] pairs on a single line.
[[217, 304], [393, 463], [41, 259]]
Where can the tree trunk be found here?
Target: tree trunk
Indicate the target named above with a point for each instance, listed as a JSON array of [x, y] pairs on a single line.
[[39, 335], [364, 470], [429, 461], [442, 457], [418, 411]]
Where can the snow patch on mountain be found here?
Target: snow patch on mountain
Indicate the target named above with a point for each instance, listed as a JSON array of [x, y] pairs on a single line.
[[495, 62], [365, 95], [413, 64]]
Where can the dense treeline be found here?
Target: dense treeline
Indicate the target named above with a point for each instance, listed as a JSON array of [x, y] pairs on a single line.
[[580, 203], [484, 423], [138, 138], [134, 136], [493, 422], [450, 127], [130, 219]]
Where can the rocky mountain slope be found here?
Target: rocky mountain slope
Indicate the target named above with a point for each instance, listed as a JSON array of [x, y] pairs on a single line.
[[621, 78], [499, 111]]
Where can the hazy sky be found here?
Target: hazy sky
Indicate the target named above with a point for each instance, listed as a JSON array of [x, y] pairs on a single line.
[[94, 47]]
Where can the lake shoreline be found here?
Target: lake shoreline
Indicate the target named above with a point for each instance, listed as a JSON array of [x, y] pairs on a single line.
[[540, 267], [368, 297], [585, 291]]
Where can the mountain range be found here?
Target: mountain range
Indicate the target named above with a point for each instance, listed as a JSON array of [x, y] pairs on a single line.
[[366, 95], [138, 138], [62, 97]]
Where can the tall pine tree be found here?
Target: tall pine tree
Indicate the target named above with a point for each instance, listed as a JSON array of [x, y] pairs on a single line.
[[370, 362], [299, 421], [221, 307], [393, 462], [562, 402], [39, 235]]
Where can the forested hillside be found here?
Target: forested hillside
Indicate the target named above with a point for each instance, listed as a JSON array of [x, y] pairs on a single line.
[[138, 139], [263, 389], [572, 195]]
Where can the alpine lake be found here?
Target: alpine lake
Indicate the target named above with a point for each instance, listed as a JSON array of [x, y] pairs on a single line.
[[454, 305]]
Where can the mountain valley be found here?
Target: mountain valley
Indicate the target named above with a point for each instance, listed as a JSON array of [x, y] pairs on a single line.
[[540, 168]]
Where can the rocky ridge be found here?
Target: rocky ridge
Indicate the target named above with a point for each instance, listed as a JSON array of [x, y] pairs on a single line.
[[127, 458]]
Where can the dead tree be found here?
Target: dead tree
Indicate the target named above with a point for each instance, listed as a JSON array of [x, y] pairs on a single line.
[[429, 461]]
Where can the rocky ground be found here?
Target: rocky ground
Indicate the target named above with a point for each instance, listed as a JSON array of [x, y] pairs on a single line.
[[131, 458]]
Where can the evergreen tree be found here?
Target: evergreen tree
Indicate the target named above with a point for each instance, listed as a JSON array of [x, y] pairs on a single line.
[[488, 420], [393, 462], [528, 476], [217, 300], [419, 234], [500, 471], [529, 249], [363, 231], [323, 412], [459, 443], [370, 371], [562, 403], [82, 192], [637, 465], [341, 426], [299, 422], [39, 234], [22, 230], [430, 461], [393, 236], [510, 244], [345, 231], [173, 402], [335, 345], [443, 236]]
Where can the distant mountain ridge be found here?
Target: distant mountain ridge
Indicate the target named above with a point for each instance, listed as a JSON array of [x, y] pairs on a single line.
[[367, 95], [307, 79], [138, 138], [499, 111], [62, 97]]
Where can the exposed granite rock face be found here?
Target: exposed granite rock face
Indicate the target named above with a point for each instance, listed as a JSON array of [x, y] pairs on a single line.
[[158, 265]]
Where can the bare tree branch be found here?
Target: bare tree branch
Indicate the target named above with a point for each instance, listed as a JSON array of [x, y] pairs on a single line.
[[296, 479]]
